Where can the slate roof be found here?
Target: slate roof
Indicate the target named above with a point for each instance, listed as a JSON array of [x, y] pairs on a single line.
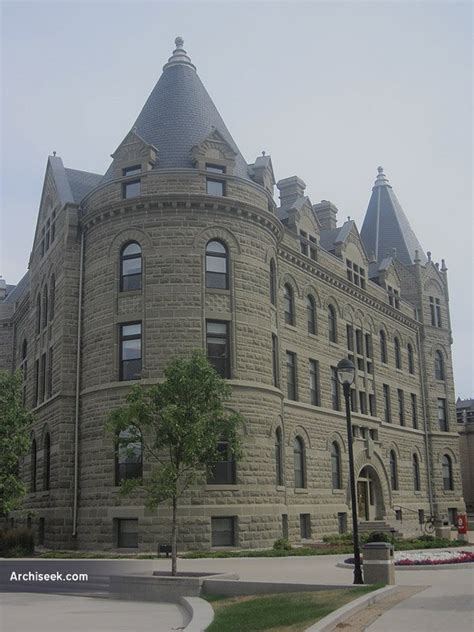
[[179, 114], [329, 238], [81, 183], [386, 226], [17, 290]]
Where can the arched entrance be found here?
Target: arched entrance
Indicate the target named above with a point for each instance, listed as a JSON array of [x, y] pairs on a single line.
[[370, 504]]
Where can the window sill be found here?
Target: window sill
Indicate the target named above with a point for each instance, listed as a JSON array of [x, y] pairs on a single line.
[[301, 490], [217, 290], [129, 293], [291, 327], [226, 487], [314, 336], [280, 488]]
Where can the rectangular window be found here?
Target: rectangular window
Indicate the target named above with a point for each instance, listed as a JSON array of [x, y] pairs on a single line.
[[215, 187], [132, 171], [49, 383], [453, 516], [359, 347], [386, 403], [131, 189], [36, 398], [314, 385], [303, 243], [421, 516], [368, 345], [215, 168], [43, 377], [438, 312], [275, 372], [223, 472], [291, 375], [350, 337], [372, 407], [305, 526], [442, 414], [223, 531], [353, 400], [414, 411], [313, 253], [401, 407], [432, 311], [363, 403], [130, 351], [398, 514], [335, 389], [127, 533], [342, 522], [217, 341]]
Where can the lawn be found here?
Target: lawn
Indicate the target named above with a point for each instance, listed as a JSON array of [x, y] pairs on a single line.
[[286, 612]]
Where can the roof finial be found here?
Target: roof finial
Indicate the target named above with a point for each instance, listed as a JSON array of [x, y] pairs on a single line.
[[382, 179], [429, 255], [417, 256], [443, 266], [54, 153], [179, 56]]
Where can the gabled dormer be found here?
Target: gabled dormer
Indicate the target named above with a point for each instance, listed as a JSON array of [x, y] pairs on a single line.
[[349, 247], [214, 154], [386, 275], [132, 157], [262, 172]]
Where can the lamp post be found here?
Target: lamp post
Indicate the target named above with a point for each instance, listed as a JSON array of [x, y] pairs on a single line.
[[345, 375]]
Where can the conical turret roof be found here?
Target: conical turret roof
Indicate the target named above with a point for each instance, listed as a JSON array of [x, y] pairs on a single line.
[[386, 227], [179, 114]]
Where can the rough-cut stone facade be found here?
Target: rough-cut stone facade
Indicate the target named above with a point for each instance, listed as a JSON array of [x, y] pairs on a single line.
[[173, 219]]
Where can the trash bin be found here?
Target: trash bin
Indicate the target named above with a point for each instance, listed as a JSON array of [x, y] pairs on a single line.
[[379, 563]]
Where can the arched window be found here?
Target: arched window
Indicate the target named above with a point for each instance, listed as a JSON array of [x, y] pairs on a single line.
[[439, 366], [447, 467], [289, 304], [298, 453], [398, 354], [411, 359], [273, 282], [393, 470], [52, 297], [131, 267], [33, 466], [217, 265], [332, 324], [279, 456], [38, 312], [224, 469], [46, 461], [311, 314], [416, 474], [383, 347], [336, 466], [128, 456], [44, 307]]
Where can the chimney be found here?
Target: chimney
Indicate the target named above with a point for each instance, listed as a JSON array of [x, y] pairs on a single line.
[[326, 213], [290, 190], [3, 288]]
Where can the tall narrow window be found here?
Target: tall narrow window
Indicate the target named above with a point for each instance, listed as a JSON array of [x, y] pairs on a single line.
[[439, 366], [131, 267], [37, 381], [215, 186], [336, 466], [289, 304], [401, 407], [311, 314], [275, 371], [414, 411], [398, 353], [128, 456], [383, 347], [368, 345], [299, 463], [411, 359], [442, 414], [38, 313], [416, 473], [43, 377], [24, 370], [438, 312], [44, 307], [393, 470], [314, 385], [335, 389], [224, 470], [291, 375], [432, 311], [130, 351], [217, 265], [131, 189], [435, 311], [33, 466], [332, 324], [52, 297], [49, 378], [447, 473], [350, 337], [217, 340], [273, 282], [386, 403], [279, 457], [46, 461]]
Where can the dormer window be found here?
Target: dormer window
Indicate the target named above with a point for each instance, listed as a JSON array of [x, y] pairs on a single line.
[[215, 168], [393, 297], [355, 274], [131, 171], [308, 245], [213, 185], [131, 189]]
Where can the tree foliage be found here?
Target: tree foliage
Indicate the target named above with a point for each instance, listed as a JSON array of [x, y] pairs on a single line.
[[14, 440], [180, 423]]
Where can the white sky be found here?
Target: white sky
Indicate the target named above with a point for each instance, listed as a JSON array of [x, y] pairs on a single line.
[[330, 90]]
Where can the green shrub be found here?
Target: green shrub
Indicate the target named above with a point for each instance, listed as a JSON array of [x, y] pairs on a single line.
[[338, 538], [16, 542], [379, 536], [282, 544]]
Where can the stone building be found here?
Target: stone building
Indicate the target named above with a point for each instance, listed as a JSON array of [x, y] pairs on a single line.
[[180, 245], [465, 415]]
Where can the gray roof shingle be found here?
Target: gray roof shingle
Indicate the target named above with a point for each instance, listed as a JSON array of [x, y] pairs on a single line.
[[18, 290], [81, 183]]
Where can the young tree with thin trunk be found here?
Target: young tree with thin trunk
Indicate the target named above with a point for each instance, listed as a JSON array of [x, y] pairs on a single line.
[[180, 423]]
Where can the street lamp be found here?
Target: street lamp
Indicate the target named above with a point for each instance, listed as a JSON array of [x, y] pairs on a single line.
[[345, 375]]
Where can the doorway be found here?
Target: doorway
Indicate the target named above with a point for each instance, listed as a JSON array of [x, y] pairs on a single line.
[[370, 504]]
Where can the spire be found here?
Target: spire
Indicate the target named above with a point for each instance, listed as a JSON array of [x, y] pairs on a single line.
[[179, 114], [386, 226]]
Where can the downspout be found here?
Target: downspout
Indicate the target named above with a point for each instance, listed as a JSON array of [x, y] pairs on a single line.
[[425, 422], [78, 383]]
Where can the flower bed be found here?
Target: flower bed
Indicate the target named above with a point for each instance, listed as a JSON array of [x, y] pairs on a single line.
[[428, 558]]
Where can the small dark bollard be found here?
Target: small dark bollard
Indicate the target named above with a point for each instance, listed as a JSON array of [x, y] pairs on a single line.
[[379, 563], [164, 548]]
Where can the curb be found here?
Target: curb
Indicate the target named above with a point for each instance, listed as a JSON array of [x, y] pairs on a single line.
[[419, 567], [338, 616], [200, 611]]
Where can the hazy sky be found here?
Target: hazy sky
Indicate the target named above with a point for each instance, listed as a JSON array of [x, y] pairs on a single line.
[[330, 90]]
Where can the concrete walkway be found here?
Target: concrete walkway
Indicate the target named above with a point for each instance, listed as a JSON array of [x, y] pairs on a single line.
[[23, 612]]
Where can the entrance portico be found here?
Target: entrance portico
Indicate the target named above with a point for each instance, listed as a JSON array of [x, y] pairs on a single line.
[[370, 502]]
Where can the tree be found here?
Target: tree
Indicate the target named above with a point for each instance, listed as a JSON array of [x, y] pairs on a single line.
[[14, 440], [180, 423]]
